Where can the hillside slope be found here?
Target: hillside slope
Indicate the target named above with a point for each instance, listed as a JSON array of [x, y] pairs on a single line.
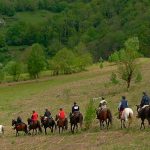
[[62, 91]]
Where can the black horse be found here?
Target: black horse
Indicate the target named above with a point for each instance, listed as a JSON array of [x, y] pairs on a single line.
[[48, 123], [19, 127], [34, 125], [143, 113], [76, 118]]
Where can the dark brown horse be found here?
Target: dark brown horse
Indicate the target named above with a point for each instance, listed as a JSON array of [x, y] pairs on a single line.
[[76, 118], [34, 125], [61, 123], [143, 113], [48, 123], [104, 115], [19, 127]]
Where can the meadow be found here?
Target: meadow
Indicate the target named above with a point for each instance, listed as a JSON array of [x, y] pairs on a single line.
[[21, 98]]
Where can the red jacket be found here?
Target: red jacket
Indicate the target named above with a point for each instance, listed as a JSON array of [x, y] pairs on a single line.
[[61, 114], [35, 116]]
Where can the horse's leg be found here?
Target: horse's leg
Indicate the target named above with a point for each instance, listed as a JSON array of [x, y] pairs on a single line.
[[107, 124], [59, 130], [45, 130], [121, 123], [16, 133], [124, 124]]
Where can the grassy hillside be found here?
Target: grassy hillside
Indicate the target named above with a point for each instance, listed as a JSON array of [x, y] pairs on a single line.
[[61, 91]]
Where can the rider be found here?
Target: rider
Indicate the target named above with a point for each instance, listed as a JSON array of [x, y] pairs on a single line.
[[122, 105], [47, 113], [145, 100], [19, 120], [102, 105], [34, 116], [61, 114], [75, 108]]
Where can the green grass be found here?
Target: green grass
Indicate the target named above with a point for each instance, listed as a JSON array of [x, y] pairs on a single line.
[[52, 92]]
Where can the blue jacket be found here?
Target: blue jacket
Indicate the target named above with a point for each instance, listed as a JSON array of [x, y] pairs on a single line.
[[145, 101], [123, 104]]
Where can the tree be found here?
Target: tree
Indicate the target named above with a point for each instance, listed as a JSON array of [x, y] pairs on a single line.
[[126, 60], [36, 60], [63, 62], [14, 69]]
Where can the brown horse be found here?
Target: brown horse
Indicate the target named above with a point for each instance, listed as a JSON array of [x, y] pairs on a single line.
[[61, 123], [19, 127], [104, 115], [75, 119], [48, 123], [34, 126], [143, 113]]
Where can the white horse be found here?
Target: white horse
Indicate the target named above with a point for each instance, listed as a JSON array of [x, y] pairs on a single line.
[[126, 116], [1, 129]]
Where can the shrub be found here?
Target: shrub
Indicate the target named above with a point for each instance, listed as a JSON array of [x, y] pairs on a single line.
[[89, 114], [113, 78]]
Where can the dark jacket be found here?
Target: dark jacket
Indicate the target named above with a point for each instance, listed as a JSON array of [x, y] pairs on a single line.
[[47, 114], [145, 101], [75, 108], [19, 120], [123, 104]]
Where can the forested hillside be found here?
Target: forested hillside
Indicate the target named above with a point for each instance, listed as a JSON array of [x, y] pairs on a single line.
[[96, 26]]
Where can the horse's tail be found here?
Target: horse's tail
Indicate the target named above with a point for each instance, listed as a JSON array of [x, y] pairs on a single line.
[[109, 116], [2, 129], [130, 117]]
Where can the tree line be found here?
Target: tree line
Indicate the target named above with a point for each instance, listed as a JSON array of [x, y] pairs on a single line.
[[101, 25]]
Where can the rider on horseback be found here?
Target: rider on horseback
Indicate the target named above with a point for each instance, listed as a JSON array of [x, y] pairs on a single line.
[[122, 105], [145, 100], [47, 114], [34, 116], [102, 105], [61, 114], [19, 120]]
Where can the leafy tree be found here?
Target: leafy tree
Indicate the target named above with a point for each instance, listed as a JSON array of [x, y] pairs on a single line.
[[14, 69], [36, 60], [127, 64], [63, 62]]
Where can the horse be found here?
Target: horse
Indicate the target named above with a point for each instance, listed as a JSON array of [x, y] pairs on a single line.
[[75, 119], [143, 113], [48, 123], [61, 123], [126, 115], [19, 127], [2, 129], [34, 125], [104, 115]]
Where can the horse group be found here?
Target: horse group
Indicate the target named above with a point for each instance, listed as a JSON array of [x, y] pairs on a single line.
[[50, 123], [104, 117]]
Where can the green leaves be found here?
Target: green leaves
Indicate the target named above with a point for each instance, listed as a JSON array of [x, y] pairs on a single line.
[[36, 60]]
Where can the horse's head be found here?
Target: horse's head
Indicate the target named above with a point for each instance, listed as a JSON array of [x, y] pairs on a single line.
[[138, 107], [13, 122], [29, 120]]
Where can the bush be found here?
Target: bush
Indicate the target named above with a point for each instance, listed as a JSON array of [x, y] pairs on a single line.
[[89, 114], [113, 78]]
